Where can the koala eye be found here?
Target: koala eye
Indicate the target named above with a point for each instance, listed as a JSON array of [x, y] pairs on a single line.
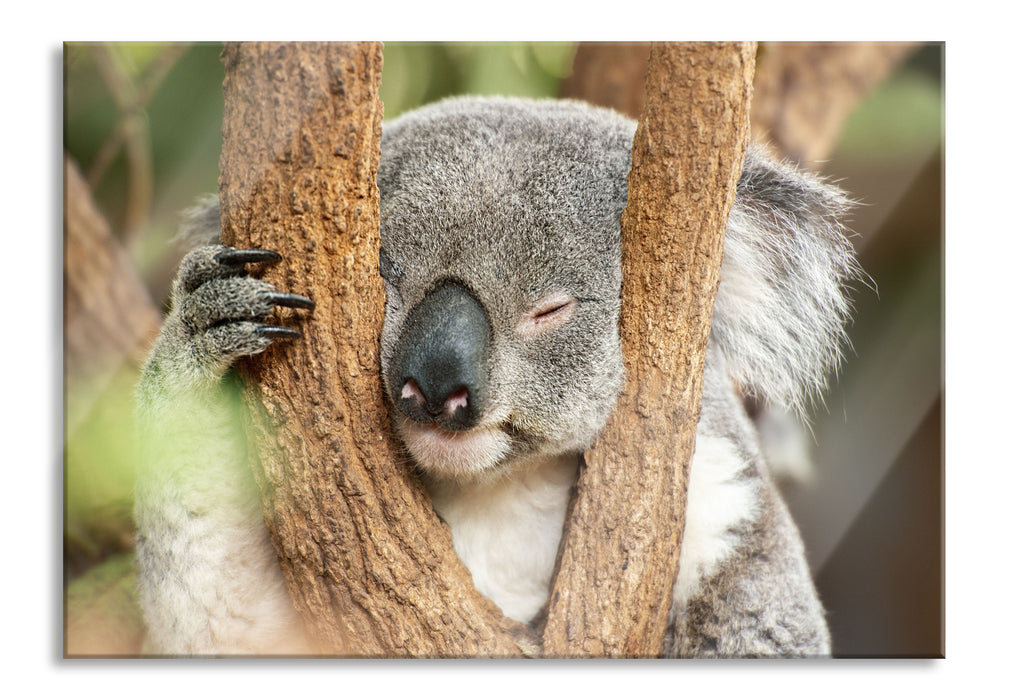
[[548, 313]]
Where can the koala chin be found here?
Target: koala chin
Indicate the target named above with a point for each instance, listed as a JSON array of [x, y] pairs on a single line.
[[456, 454], [501, 357]]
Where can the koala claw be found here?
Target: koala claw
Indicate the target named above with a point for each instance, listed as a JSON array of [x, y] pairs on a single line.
[[278, 332], [237, 256], [292, 301]]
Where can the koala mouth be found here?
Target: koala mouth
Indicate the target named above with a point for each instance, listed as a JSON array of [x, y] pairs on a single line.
[[454, 453]]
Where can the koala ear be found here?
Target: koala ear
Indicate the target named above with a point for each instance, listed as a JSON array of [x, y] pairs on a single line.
[[782, 306]]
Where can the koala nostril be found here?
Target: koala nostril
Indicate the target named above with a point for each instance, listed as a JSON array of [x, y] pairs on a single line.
[[411, 392], [440, 365], [413, 403], [457, 401]]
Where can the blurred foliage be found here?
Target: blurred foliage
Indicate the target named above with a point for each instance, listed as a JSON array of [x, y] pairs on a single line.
[[416, 74], [181, 115], [183, 119], [896, 119], [99, 469]]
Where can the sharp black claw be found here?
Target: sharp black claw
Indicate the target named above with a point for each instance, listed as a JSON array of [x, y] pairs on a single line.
[[292, 301], [278, 332], [251, 255]]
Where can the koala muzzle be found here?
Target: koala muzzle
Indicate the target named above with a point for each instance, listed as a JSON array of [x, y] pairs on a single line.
[[439, 370]]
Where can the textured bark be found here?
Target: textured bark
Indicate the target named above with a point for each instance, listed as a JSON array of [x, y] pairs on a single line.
[[804, 93], [613, 588], [367, 561], [611, 75]]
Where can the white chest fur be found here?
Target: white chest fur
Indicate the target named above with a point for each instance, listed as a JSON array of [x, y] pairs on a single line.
[[507, 532], [719, 502]]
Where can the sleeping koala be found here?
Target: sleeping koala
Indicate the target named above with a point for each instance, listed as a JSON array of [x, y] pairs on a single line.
[[500, 226]]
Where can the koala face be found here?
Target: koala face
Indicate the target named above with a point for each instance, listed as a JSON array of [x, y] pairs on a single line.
[[501, 260]]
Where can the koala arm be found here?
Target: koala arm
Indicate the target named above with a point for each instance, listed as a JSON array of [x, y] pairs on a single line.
[[208, 578], [744, 588]]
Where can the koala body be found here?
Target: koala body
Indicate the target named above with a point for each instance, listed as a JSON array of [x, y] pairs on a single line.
[[500, 224]]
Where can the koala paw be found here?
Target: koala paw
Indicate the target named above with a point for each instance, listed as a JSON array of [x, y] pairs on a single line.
[[221, 310]]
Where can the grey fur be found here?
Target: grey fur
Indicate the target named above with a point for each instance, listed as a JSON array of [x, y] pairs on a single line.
[[787, 262], [200, 536], [503, 196], [514, 200], [761, 602]]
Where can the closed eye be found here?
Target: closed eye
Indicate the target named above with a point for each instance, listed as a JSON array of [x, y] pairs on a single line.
[[548, 313], [540, 315]]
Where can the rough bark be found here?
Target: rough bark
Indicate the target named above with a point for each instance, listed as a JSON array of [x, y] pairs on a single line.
[[366, 559], [804, 92], [613, 588], [610, 74]]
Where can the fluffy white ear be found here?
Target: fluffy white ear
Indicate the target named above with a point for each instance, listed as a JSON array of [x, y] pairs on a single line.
[[782, 305]]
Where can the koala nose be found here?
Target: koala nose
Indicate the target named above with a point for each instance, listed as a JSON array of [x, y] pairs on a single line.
[[439, 369]]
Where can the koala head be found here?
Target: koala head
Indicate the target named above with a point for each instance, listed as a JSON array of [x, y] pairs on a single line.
[[500, 224]]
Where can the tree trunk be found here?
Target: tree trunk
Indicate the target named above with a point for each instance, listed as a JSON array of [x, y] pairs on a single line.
[[613, 590], [367, 561]]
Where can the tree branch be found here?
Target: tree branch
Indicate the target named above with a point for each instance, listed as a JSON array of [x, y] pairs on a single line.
[[613, 589], [366, 559]]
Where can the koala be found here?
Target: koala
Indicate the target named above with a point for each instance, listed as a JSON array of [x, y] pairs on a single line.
[[501, 359]]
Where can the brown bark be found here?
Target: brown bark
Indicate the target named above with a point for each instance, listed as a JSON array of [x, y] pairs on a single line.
[[804, 92], [613, 588], [610, 74], [367, 561]]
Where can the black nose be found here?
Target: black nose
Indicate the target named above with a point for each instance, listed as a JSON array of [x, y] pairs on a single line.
[[439, 369]]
